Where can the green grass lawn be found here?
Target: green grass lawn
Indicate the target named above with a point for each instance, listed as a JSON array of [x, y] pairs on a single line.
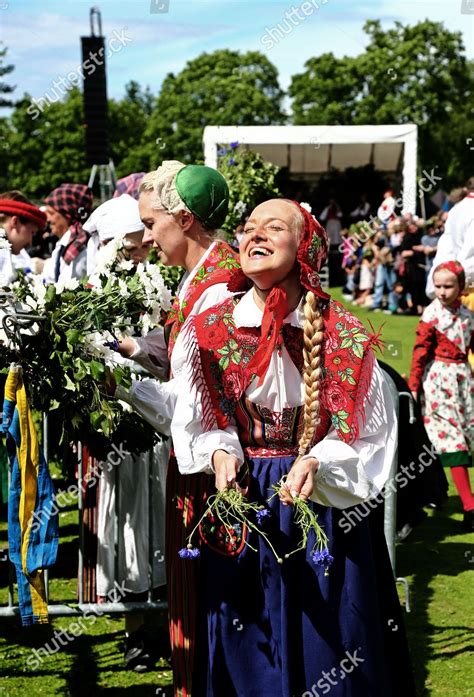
[[437, 559]]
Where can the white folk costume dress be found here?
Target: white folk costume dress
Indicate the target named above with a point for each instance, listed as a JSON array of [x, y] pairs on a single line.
[[441, 371], [266, 629]]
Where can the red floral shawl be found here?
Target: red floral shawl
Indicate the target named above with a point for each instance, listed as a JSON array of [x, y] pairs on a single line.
[[218, 351], [218, 267]]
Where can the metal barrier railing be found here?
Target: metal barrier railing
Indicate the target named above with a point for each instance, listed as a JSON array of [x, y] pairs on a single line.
[[60, 610]]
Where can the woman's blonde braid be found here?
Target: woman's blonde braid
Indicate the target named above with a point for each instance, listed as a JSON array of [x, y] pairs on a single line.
[[313, 332]]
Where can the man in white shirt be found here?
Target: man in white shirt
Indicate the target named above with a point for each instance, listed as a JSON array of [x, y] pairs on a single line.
[[67, 207], [457, 241]]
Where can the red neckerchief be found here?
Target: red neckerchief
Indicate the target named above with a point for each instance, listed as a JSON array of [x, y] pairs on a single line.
[[276, 309], [219, 353]]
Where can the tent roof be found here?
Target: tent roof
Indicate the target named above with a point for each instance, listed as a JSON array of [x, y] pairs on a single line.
[[315, 149]]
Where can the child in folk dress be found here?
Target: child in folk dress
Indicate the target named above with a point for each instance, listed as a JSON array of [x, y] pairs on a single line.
[[441, 373]]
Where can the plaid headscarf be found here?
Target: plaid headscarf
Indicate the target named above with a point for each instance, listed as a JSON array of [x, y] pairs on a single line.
[[74, 201], [129, 185]]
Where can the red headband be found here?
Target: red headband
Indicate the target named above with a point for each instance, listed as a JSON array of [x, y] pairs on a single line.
[[24, 210], [455, 268]]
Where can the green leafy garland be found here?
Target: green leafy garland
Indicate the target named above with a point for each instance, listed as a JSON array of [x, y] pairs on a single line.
[[251, 180]]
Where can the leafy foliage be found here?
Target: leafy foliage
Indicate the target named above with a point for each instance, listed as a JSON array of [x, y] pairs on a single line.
[[251, 180], [5, 70], [416, 74], [64, 357], [220, 88]]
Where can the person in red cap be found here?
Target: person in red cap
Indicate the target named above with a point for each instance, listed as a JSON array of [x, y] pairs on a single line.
[[67, 207], [281, 385], [21, 220]]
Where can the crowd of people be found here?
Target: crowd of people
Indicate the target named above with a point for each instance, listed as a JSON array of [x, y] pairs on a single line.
[[258, 378]]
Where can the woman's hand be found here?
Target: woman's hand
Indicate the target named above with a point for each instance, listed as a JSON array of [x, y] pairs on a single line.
[[300, 480], [226, 467]]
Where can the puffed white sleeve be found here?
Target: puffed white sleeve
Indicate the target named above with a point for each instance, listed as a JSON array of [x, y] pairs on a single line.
[[194, 447], [155, 401], [151, 352], [350, 474]]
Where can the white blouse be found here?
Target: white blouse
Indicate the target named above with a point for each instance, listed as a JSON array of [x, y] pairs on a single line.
[[347, 474], [153, 400], [77, 268]]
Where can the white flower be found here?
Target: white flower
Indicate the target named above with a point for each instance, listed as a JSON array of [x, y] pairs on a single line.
[[66, 284], [39, 290], [125, 265], [4, 243], [107, 255], [123, 288], [240, 208], [306, 206]]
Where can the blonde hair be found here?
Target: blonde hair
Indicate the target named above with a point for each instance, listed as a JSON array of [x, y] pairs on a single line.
[[161, 184], [313, 333]]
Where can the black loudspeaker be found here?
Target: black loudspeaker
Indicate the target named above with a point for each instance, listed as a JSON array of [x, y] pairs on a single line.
[[95, 100]]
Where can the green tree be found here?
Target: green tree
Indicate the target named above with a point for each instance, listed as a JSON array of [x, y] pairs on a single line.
[[127, 122], [220, 88], [415, 74], [5, 70], [49, 149]]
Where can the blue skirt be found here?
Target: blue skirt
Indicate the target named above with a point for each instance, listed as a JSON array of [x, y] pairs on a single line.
[[271, 630]]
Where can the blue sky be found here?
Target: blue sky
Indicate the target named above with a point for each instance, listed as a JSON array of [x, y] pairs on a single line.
[[43, 36]]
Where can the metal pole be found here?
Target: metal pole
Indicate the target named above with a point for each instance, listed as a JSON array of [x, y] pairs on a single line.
[[151, 553], [80, 504]]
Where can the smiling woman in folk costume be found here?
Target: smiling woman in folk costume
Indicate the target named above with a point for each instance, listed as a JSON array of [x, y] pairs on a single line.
[[254, 407], [181, 206]]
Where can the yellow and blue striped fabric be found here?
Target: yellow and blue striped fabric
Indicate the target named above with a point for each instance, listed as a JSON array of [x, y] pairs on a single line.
[[32, 515]]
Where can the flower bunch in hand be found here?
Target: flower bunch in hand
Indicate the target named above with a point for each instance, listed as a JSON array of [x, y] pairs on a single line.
[[62, 348]]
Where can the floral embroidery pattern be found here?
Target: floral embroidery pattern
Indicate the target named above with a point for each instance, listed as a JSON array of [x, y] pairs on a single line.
[[218, 267], [226, 349]]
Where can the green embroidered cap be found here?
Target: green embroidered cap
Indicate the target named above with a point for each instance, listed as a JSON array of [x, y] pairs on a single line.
[[205, 192]]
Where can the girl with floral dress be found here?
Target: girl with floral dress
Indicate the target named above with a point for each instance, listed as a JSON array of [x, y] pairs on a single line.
[[282, 381], [441, 375]]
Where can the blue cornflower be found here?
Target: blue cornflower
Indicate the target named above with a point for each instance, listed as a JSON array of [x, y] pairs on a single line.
[[232, 161], [234, 144], [261, 514], [222, 151], [321, 557], [187, 553]]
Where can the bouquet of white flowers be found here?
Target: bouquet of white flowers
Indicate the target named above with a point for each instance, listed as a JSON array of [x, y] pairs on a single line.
[[59, 333]]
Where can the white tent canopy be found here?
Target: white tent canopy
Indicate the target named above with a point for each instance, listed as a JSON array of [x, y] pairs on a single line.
[[309, 150]]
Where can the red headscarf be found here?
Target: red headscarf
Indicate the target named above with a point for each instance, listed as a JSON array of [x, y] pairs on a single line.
[[455, 268], [311, 255]]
